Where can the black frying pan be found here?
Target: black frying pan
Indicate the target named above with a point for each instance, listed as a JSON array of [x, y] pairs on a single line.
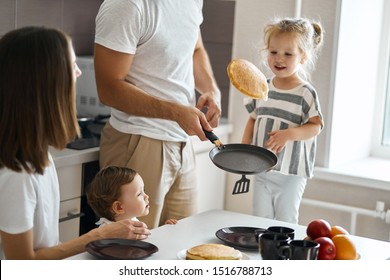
[[241, 159]]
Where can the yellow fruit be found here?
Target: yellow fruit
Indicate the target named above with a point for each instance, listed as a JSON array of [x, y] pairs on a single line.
[[337, 230], [345, 248]]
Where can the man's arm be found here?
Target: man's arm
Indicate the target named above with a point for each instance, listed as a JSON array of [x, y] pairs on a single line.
[[111, 68], [206, 84]]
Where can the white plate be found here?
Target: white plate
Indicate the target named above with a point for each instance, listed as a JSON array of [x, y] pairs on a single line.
[[181, 255], [358, 256]]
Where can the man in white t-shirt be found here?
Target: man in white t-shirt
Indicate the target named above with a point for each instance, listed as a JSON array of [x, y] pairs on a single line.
[[149, 59]]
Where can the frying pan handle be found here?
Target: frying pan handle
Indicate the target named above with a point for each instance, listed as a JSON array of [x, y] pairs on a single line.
[[213, 138]]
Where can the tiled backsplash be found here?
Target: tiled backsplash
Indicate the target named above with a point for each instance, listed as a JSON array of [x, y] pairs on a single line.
[[217, 33], [77, 18]]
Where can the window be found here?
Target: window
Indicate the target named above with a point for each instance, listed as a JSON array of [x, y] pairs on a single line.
[[381, 136], [357, 154], [386, 121]]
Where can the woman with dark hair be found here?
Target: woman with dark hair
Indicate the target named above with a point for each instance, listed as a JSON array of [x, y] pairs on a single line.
[[38, 110]]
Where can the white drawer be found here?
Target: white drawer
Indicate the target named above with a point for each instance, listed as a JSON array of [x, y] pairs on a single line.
[[69, 178], [69, 225]]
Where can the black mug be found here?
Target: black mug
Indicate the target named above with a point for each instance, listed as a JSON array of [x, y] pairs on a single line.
[[270, 245], [300, 250], [290, 232]]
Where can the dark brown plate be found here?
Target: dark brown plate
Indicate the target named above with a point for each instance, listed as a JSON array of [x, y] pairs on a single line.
[[120, 249], [241, 237]]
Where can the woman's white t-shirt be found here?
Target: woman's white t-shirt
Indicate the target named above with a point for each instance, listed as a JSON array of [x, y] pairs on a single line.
[[30, 201]]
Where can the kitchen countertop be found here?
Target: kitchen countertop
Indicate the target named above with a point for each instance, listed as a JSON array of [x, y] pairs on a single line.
[[201, 228], [68, 157]]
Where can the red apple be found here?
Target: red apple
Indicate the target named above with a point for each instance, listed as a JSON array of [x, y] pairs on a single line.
[[318, 228], [327, 249]]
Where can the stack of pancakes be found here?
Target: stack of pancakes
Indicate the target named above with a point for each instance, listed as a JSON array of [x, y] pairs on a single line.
[[213, 252]]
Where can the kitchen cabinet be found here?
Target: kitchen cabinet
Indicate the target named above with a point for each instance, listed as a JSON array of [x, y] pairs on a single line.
[[69, 219], [69, 178], [69, 171]]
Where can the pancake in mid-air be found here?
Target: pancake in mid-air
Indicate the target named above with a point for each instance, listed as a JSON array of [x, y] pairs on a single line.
[[248, 79]]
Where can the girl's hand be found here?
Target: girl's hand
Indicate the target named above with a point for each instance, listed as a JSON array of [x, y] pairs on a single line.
[[278, 140]]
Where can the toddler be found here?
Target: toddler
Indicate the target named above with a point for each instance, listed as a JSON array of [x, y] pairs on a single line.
[[117, 193]]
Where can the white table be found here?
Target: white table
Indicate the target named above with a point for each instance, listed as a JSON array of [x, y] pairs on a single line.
[[201, 228]]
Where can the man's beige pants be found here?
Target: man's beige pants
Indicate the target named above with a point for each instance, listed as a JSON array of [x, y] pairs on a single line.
[[167, 168]]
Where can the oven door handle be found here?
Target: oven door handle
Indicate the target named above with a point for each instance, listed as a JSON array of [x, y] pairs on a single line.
[[71, 215]]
